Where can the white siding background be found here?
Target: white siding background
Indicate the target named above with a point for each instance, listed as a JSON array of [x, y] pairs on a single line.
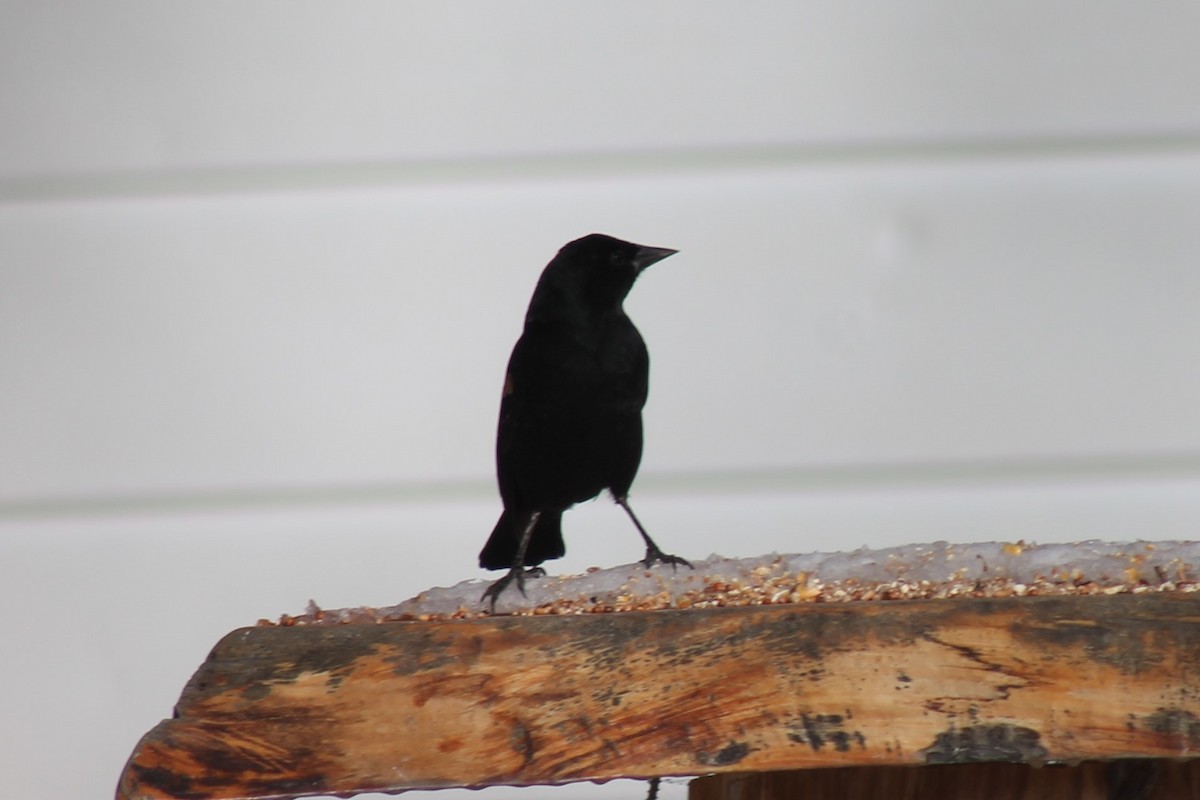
[[261, 266]]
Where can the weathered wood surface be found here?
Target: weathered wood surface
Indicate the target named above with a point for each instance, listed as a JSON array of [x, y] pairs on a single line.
[[291, 711]]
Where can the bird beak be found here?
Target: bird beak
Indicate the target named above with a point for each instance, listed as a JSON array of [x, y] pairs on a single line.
[[651, 255]]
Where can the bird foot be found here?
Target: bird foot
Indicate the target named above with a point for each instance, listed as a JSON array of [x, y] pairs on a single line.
[[519, 574], [656, 556]]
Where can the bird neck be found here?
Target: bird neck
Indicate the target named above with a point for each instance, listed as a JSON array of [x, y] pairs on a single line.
[[570, 309]]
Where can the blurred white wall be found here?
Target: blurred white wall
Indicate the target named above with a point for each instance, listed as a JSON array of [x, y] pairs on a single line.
[[261, 267]]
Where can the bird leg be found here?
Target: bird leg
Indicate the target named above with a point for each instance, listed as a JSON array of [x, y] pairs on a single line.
[[518, 571], [653, 554]]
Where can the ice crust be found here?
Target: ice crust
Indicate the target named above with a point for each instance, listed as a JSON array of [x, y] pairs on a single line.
[[1092, 563]]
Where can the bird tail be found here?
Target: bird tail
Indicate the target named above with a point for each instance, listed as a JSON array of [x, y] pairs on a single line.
[[545, 543]]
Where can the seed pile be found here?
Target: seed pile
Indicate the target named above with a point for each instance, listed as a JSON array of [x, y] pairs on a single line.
[[918, 572]]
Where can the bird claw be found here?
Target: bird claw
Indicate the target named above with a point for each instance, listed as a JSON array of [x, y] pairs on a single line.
[[519, 574], [493, 592], [656, 556]]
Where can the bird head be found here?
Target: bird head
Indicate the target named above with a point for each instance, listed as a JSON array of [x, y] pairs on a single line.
[[593, 274]]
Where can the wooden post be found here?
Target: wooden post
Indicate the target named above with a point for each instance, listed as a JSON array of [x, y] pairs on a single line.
[[341, 709], [1137, 779]]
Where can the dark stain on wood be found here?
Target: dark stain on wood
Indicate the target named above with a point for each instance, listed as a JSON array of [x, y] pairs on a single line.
[[727, 756], [1179, 728], [821, 730], [164, 782], [520, 739], [980, 743]]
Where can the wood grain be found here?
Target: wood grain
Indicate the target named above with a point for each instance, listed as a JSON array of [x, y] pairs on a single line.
[[292, 711]]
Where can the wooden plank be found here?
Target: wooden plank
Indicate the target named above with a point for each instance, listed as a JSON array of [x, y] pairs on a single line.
[[322, 709]]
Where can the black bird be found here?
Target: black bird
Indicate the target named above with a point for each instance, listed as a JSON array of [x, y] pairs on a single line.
[[571, 411]]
